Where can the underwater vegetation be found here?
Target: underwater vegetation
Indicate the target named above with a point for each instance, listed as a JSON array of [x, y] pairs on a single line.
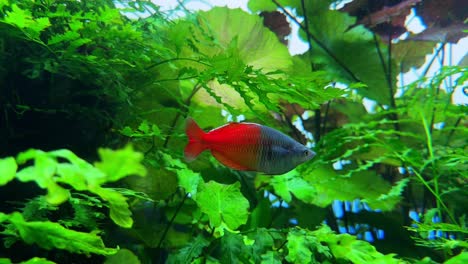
[[94, 97]]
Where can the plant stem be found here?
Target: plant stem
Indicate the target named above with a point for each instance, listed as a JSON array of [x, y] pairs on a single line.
[[435, 175], [438, 199], [172, 220], [319, 43], [176, 59], [196, 88]]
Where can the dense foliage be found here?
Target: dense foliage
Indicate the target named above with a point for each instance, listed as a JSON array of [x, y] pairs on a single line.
[[77, 76]]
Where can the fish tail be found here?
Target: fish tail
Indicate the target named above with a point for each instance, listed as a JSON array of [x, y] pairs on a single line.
[[195, 145]]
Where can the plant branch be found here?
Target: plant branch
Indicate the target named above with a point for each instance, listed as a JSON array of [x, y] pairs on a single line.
[[317, 112], [435, 191], [161, 240], [432, 60], [195, 89], [452, 131], [177, 59], [319, 43]]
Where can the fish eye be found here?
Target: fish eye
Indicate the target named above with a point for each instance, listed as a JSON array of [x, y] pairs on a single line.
[[306, 153]]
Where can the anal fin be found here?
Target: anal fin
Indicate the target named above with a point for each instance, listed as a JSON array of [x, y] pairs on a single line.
[[229, 162]]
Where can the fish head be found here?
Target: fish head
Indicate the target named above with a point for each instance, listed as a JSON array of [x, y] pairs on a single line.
[[282, 159], [301, 154]]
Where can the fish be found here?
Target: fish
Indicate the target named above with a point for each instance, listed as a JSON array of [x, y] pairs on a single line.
[[247, 147]]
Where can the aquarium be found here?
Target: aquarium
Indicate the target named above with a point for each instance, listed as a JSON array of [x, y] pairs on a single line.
[[261, 131]]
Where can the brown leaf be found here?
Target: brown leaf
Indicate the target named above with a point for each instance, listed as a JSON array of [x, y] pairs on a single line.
[[452, 33], [277, 23], [442, 13], [386, 18], [395, 14]]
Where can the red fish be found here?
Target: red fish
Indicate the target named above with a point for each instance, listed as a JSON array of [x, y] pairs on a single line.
[[248, 147]]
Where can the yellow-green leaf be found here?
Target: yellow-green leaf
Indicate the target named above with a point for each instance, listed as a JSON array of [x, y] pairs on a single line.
[[7, 170], [223, 204]]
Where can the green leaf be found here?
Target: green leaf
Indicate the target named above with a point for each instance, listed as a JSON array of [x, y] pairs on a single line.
[[8, 169], [5, 260], [190, 251], [263, 242], [223, 204], [119, 209], [411, 53], [123, 256], [3, 217], [269, 5], [43, 174], [49, 235], [458, 259], [354, 47], [348, 247], [290, 183], [271, 257], [117, 164], [17, 16], [257, 45], [23, 19], [3, 3], [394, 195], [82, 176], [67, 36], [188, 179], [37, 260], [367, 185], [233, 249], [300, 246], [261, 5]]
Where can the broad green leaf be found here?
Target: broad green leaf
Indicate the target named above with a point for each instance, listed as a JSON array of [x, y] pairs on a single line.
[[366, 185], [119, 211], [458, 259], [233, 249], [82, 176], [188, 179], [257, 45], [43, 174], [302, 246], [3, 217], [123, 256], [77, 176], [190, 251], [298, 249], [290, 183], [271, 257], [354, 47], [411, 54], [241, 44], [223, 204], [49, 235], [7, 170], [5, 260], [3, 3], [269, 5], [117, 164], [261, 215], [348, 247], [262, 242], [37, 260], [261, 5]]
